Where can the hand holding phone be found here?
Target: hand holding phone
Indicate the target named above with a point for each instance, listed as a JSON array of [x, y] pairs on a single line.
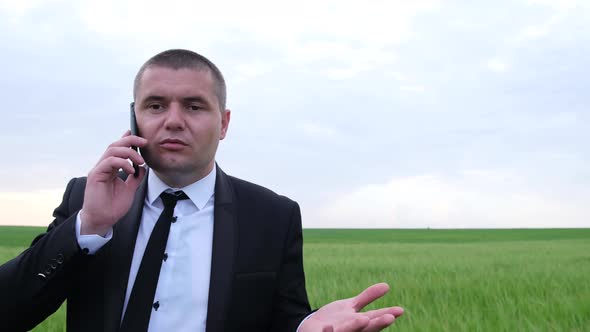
[[105, 188]]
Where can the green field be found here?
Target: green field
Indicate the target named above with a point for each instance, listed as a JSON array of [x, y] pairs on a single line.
[[448, 280]]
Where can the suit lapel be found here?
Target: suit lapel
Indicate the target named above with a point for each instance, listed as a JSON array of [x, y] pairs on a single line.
[[119, 259], [224, 247]]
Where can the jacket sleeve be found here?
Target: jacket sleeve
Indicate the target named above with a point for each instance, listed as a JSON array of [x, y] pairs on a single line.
[[35, 283], [292, 305]]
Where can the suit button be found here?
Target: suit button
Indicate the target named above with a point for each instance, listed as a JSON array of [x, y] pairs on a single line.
[[60, 259], [85, 251], [48, 270]]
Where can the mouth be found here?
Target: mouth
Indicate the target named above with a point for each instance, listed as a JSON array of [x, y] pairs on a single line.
[[172, 144]]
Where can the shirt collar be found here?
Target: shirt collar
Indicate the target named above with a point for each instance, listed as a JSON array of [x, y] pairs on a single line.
[[199, 192]]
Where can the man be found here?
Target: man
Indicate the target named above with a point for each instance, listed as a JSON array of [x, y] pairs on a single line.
[[178, 245]]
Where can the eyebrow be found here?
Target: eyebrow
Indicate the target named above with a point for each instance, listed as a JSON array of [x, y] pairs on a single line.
[[153, 98], [191, 99], [196, 99]]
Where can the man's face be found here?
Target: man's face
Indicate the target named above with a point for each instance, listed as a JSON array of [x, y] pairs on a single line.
[[179, 114]]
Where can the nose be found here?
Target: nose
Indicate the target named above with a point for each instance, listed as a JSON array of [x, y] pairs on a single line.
[[175, 117]]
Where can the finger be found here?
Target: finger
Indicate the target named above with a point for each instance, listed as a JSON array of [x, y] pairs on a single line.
[[129, 141], [124, 153], [111, 165], [369, 295], [127, 133], [353, 325], [395, 311], [379, 323], [133, 182]]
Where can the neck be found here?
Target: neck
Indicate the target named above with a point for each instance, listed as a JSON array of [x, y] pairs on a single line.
[[181, 180]]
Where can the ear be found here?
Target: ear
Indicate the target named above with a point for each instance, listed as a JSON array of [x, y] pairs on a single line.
[[225, 117]]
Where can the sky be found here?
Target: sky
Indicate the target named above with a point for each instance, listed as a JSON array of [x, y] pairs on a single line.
[[373, 114]]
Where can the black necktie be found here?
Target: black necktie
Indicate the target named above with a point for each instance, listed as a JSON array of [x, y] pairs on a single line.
[[139, 307]]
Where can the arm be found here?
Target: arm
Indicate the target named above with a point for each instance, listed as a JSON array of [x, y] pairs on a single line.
[[291, 304], [35, 283]]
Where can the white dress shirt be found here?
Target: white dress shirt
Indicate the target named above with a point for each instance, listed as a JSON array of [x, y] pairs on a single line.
[[183, 286]]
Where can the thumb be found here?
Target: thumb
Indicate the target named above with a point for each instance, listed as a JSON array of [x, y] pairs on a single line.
[[132, 182]]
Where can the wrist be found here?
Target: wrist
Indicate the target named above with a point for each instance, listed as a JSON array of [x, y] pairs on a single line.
[[89, 228]]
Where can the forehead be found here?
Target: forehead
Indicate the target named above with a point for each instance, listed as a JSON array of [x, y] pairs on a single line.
[[176, 83]]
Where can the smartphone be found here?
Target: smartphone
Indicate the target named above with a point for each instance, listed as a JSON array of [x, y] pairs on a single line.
[[134, 131]]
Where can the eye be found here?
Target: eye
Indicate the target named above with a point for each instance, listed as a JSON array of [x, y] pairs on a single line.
[[155, 107], [194, 107]]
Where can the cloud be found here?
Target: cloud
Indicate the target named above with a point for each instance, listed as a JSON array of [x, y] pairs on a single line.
[[535, 31], [18, 8], [318, 130], [328, 97], [345, 72], [412, 88], [354, 38], [560, 4], [399, 76], [248, 71], [560, 11], [497, 65], [472, 199]]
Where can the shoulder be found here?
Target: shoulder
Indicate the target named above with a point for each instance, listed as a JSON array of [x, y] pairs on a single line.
[[250, 192], [74, 193], [267, 217]]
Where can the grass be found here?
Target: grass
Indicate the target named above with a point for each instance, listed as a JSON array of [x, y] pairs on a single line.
[[448, 280]]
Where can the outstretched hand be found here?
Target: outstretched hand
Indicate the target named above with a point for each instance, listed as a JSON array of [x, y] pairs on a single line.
[[345, 316]]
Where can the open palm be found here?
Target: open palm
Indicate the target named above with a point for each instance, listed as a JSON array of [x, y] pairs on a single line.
[[345, 316]]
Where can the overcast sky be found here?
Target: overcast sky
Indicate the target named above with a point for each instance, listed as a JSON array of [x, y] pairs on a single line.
[[369, 114]]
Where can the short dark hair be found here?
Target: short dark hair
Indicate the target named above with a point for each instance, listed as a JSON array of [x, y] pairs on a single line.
[[178, 59]]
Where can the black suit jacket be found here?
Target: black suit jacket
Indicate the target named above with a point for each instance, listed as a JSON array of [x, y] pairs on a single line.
[[257, 280]]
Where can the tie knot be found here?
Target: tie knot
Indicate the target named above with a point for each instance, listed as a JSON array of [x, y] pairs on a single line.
[[170, 199]]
